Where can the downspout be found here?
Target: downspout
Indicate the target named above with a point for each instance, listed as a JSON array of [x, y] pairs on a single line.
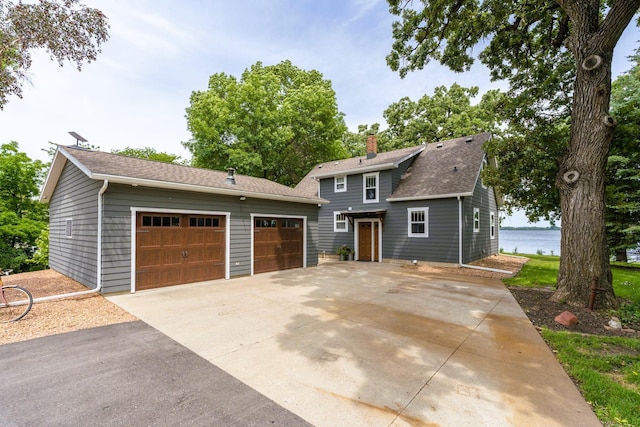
[[460, 263], [99, 257]]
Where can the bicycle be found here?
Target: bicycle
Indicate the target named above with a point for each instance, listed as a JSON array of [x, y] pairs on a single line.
[[15, 302]]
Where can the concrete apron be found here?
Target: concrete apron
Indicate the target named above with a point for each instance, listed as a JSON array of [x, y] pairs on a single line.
[[349, 343]]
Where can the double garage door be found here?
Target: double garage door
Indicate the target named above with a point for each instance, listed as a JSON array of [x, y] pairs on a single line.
[[173, 249]]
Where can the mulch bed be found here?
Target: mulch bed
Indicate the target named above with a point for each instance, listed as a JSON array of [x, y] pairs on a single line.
[[542, 312]]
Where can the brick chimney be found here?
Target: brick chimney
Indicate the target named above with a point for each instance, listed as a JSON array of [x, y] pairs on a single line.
[[372, 146]]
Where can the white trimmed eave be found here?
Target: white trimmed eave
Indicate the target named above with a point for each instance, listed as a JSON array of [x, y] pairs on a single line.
[[116, 179], [374, 168], [432, 197]]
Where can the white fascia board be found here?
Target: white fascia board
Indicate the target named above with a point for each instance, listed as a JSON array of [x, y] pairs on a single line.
[[55, 170], [374, 168], [201, 189], [438, 196]]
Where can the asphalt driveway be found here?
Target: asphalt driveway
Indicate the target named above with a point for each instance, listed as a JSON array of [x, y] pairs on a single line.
[[349, 343], [127, 374]]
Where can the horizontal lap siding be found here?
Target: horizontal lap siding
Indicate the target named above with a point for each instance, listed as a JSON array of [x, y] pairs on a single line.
[[442, 243], [342, 201], [75, 197], [479, 245], [117, 225]]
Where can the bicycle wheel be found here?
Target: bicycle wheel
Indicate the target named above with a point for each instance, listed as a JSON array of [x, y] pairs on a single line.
[[20, 302]]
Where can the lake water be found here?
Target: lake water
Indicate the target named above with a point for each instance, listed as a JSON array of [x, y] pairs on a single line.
[[547, 241], [530, 241]]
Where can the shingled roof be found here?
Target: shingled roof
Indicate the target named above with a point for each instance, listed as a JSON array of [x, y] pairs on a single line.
[[444, 169], [355, 165], [130, 170], [441, 169]]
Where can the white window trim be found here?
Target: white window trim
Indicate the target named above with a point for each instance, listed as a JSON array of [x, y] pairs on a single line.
[[476, 224], [485, 163], [492, 225], [335, 184], [68, 228], [364, 187], [335, 223], [426, 222]]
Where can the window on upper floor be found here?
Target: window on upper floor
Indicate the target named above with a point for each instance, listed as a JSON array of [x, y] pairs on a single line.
[[492, 224], [340, 184], [340, 223], [370, 187], [418, 222], [476, 220]]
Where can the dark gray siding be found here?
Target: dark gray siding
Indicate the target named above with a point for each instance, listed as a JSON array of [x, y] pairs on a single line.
[[479, 245], [117, 229], [76, 198], [329, 242], [442, 243]]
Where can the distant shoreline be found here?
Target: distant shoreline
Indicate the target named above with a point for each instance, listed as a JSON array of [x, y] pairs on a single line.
[[531, 228]]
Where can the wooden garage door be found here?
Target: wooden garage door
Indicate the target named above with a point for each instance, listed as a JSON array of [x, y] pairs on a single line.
[[277, 244], [174, 249]]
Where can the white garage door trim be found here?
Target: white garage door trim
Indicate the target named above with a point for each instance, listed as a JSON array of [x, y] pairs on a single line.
[[134, 213], [275, 215]]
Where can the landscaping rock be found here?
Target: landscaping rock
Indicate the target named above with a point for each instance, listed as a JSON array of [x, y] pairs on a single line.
[[615, 323], [566, 318]]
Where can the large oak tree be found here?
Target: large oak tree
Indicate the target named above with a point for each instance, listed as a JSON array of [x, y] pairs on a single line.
[[66, 29], [535, 46]]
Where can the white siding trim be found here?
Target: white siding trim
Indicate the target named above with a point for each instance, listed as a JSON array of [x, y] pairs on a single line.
[[410, 233], [476, 223], [364, 187], [335, 223], [134, 213], [277, 215]]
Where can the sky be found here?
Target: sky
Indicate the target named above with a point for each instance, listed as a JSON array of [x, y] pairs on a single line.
[[160, 51]]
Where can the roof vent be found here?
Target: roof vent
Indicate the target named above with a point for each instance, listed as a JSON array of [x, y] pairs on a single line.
[[231, 179], [469, 139], [439, 145]]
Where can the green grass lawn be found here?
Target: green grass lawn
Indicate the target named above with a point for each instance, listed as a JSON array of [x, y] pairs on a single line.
[[607, 369], [542, 270]]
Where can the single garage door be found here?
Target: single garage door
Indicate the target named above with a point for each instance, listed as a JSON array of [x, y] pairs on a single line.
[[173, 249], [277, 244]]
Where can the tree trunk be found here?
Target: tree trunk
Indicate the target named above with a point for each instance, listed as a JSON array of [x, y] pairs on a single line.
[[581, 181], [621, 255]]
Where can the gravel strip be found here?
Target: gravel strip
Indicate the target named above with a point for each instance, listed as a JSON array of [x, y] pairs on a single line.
[[55, 317]]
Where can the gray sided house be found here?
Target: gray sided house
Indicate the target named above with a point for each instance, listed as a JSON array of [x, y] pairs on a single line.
[[120, 223], [425, 203]]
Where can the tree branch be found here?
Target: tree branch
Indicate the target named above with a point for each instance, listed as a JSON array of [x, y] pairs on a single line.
[[615, 22]]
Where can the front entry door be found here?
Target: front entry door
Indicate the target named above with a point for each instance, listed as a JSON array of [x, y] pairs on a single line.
[[368, 241]]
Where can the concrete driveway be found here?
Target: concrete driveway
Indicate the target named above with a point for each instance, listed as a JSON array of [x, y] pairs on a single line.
[[350, 343]]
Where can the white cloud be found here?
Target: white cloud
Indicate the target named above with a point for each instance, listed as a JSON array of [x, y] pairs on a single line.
[[160, 51]]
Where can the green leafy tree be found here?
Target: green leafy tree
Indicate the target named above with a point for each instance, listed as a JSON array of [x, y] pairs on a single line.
[[150, 153], [67, 29], [447, 114], [22, 217], [275, 122], [557, 57], [623, 167]]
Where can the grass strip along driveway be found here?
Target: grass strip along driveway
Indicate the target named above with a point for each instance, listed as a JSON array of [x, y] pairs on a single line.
[[605, 368]]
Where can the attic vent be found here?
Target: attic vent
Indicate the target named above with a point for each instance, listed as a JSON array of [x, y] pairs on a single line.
[[319, 166], [439, 145], [469, 139], [230, 176]]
